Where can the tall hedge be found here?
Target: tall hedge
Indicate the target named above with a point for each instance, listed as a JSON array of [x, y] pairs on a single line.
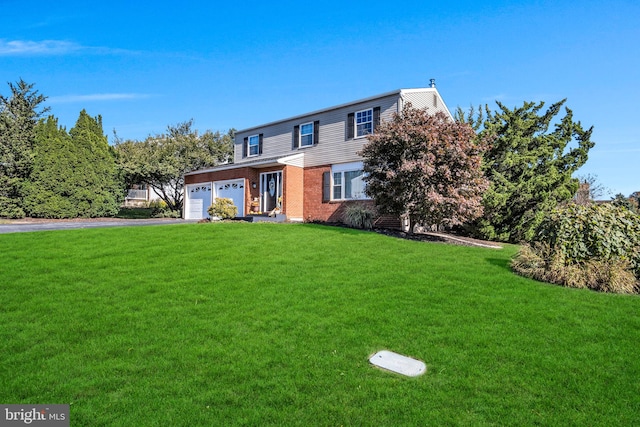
[[74, 173]]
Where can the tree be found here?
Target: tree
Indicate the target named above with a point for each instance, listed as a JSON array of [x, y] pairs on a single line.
[[635, 200], [74, 174], [19, 114], [624, 202], [529, 166], [161, 161], [426, 168]]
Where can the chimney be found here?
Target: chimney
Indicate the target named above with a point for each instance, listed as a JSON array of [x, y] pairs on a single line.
[[433, 82]]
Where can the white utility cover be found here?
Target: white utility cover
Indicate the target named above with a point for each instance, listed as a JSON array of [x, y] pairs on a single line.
[[398, 363]]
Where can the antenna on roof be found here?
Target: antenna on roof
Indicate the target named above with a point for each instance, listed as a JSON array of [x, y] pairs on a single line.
[[433, 82]]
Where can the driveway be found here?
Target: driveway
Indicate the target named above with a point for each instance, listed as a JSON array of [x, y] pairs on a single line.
[[21, 226]]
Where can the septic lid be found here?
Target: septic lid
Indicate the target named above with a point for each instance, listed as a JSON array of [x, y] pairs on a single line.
[[398, 363]]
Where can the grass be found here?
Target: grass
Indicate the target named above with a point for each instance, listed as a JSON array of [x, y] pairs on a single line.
[[272, 324]]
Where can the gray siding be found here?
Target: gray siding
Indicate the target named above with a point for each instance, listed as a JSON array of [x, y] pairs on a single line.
[[333, 146]]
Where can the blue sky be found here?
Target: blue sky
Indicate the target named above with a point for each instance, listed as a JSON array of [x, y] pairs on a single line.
[[143, 66]]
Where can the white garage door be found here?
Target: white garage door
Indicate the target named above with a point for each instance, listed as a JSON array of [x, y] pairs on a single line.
[[233, 190], [198, 201]]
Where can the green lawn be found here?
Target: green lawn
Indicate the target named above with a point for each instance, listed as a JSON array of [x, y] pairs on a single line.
[[273, 324]]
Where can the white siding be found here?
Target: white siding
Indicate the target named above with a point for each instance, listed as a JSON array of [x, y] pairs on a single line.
[[425, 98]]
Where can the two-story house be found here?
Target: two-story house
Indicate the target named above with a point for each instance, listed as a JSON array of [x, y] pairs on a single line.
[[305, 167]]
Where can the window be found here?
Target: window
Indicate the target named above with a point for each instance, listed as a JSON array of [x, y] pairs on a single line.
[[254, 145], [306, 135], [348, 182], [364, 122]]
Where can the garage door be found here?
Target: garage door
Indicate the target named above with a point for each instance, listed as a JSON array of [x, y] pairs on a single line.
[[198, 201], [233, 190]]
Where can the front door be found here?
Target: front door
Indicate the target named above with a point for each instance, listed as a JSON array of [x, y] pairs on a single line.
[[271, 190]]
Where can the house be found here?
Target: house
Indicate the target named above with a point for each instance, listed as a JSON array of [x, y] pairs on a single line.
[[140, 195], [305, 167]]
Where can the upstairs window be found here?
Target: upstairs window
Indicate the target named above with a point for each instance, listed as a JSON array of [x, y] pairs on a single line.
[[364, 122], [254, 145], [306, 135]]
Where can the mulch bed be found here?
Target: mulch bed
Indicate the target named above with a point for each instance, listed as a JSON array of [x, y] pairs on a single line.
[[439, 238]]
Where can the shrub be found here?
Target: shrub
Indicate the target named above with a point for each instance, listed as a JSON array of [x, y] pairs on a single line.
[[160, 209], [359, 216], [10, 209], [594, 246], [222, 208], [583, 233], [542, 262]]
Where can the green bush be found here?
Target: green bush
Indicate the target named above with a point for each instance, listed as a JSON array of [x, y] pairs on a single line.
[[542, 262], [593, 246], [9, 208], [359, 216], [589, 232], [222, 208], [160, 209]]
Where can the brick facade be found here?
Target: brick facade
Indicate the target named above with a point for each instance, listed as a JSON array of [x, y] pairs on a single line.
[[293, 184], [315, 209], [302, 191], [293, 193]]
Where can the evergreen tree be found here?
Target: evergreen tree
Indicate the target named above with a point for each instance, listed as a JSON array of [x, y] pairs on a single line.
[[19, 114], [50, 190], [100, 192], [74, 173], [530, 167]]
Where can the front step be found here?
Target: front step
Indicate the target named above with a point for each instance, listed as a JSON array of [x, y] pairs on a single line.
[[264, 218]]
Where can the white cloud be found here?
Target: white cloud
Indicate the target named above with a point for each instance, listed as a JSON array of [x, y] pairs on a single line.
[[96, 97], [44, 47], [52, 47]]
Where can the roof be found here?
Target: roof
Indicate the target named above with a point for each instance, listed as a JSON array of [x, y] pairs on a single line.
[[335, 107], [256, 163]]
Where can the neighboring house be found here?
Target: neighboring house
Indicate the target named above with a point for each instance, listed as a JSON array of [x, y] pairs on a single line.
[[306, 167], [140, 195]]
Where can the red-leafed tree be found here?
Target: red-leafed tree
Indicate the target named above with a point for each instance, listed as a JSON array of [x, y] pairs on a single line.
[[426, 168]]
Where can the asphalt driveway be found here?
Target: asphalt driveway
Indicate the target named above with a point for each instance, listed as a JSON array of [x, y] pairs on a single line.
[[22, 226]]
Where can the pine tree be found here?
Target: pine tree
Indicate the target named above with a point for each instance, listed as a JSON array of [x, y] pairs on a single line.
[[530, 167], [99, 192], [74, 173], [19, 114]]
